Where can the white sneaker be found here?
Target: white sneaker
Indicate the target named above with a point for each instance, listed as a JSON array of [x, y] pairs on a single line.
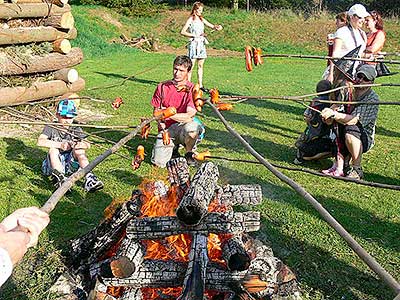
[[92, 184]]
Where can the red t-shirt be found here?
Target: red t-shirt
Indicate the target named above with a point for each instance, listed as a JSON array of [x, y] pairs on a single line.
[[166, 95]]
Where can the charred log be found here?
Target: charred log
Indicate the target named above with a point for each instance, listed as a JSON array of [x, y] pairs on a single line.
[[88, 249], [244, 194], [195, 278], [194, 204], [131, 294], [235, 255], [229, 222], [178, 172]]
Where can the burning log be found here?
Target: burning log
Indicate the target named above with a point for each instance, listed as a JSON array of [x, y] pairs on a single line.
[[195, 202], [131, 294], [178, 175], [94, 244], [195, 278], [128, 259], [41, 90], [39, 64], [157, 228], [63, 21], [28, 10], [235, 254], [23, 35], [244, 194]]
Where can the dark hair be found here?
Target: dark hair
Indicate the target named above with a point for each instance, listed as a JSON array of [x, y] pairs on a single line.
[[378, 19], [196, 5], [342, 17], [183, 60], [323, 85]]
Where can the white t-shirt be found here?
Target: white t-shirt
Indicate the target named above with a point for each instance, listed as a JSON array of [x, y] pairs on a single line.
[[5, 266], [348, 42]]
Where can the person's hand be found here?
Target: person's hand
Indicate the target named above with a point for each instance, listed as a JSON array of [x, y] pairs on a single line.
[[218, 27], [327, 113], [15, 243], [65, 146], [30, 220], [203, 34], [79, 145]]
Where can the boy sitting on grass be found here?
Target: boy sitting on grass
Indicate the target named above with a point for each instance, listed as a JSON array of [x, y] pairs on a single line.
[[66, 148]]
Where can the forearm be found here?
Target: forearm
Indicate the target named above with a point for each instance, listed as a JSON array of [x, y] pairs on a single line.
[[49, 143], [344, 119], [183, 117]]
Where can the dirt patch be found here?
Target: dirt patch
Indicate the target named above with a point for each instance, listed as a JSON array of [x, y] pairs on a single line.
[[86, 116], [107, 17]]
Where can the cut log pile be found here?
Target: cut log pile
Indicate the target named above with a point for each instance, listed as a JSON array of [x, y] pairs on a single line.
[[35, 44], [181, 241]]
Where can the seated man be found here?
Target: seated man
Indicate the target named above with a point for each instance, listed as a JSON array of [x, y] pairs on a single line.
[[66, 148], [181, 127], [358, 122], [315, 142]]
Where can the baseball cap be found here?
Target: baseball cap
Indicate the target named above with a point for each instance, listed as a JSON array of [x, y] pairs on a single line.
[[67, 108], [368, 71], [359, 10]]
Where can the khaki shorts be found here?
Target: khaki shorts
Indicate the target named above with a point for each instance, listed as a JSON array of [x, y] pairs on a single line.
[[178, 132]]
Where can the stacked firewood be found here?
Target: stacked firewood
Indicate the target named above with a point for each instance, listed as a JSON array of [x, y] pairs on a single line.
[[36, 57], [114, 261]]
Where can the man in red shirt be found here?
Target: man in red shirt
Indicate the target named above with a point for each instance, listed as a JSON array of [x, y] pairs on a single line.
[[181, 127]]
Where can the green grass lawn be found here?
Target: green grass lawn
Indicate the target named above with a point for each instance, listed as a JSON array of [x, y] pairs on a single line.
[[326, 267]]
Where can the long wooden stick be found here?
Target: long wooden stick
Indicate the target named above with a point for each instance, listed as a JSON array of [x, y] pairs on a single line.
[[59, 193], [309, 171], [357, 248], [386, 61], [73, 124]]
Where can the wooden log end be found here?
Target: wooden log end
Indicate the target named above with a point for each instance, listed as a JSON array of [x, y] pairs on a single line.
[[62, 46], [190, 215]]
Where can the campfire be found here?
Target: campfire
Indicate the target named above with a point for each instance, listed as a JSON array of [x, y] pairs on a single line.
[[180, 240]]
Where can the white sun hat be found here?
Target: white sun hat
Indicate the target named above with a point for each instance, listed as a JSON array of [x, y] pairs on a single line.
[[359, 10]]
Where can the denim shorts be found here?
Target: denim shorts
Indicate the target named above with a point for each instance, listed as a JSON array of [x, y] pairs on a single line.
[[68, 161]]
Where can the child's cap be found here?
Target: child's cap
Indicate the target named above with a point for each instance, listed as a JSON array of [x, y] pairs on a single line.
[[67, 108]]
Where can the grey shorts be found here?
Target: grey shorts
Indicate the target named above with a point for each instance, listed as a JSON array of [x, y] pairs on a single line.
[[68, 161], [178, 132]]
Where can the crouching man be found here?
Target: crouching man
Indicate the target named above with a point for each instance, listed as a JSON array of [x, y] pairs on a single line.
[[66, 148], [358, 122], [181, 127]]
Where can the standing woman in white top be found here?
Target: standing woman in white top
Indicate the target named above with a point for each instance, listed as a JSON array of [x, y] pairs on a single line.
[[194, 29], [351, 36]]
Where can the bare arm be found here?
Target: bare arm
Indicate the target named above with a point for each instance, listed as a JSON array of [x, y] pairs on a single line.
[[44, 141], [345, 119], [185, 117], [185, 28], [378, 43], [216, 27]]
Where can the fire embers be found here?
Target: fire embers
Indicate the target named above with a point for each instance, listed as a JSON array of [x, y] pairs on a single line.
[[139, 157], [117, 103], [185, 243]]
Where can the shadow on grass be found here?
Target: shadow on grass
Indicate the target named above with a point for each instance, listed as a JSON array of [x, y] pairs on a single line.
[[10, 290], [383, 131], [315, 267], [125, 77]]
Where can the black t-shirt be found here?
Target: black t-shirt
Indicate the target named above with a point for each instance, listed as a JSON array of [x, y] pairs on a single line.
[[71, 133]]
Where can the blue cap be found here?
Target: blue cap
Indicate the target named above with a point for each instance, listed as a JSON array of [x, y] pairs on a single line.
[[67, 108]]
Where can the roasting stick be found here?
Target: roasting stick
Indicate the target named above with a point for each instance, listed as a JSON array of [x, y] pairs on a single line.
[[59, 193], [357, 248]]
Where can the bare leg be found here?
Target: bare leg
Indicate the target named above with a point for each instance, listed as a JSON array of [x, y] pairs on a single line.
[[190, 72], [190, 141], [80, 155], [354, 146], [200, 64], [55, 162]]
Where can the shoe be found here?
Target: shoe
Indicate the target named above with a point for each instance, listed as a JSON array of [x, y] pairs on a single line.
[[190, 159], [57, 178], [93, 184], [355, 172], [332, 171], [298, 161]]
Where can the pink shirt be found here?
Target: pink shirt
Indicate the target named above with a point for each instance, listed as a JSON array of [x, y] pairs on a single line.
[[166, 95]]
